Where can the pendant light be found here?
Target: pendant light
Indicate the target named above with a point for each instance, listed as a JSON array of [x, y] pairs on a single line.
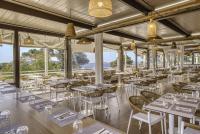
[[100, 8], [28, 41], [84, 41], [133, 45], [152, 29], [70, 31]]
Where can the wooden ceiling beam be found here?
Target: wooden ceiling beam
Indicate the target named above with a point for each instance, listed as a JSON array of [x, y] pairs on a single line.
[[36, 12]]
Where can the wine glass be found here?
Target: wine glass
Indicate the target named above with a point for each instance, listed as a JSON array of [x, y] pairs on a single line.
[[78, 124], [48, 108], [22, 130]]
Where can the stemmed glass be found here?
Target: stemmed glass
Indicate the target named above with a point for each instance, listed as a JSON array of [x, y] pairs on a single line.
[[49, 108], [22, 130], [78, 124]]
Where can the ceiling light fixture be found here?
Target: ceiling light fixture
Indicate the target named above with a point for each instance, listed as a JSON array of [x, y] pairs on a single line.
[[133, 45], [28, 41], [100, 8], [152, 29], [84, 41], [70, 31]]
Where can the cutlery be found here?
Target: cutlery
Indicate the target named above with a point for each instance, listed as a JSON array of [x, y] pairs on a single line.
[[100, 131]]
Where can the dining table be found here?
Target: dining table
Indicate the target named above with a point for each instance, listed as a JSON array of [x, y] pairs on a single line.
[[89, 89], [181, 105], [54, 85]]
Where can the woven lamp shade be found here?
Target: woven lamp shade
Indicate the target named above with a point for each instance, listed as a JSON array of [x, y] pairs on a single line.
[[152, 29], [133, 45], [28, 41], [70, 31], [100, 8]]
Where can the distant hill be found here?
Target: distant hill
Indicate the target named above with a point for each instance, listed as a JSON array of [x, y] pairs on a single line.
[[92, 65]]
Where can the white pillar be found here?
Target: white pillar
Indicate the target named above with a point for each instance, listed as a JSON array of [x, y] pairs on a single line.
[[120, 60], [125, 60], [182, 57], [46, 61], [99, 58], [144, 60]]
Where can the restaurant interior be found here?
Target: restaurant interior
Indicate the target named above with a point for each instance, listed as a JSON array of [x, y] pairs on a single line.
[[100, 67]]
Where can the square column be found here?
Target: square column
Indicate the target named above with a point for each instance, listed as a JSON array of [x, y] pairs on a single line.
[[120, 59], [99, 58], [46, 61], [181, 57]]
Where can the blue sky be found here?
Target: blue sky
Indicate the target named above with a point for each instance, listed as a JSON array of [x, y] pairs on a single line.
[[7, 56]]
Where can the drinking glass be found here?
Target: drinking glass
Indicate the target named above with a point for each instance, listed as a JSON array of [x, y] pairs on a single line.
[[22, 130], [48, 108], [78, 125]]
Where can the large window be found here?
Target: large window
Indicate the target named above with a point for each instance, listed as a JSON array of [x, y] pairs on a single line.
[[6, 63], [32, 60], [187, 59], [56, 60]]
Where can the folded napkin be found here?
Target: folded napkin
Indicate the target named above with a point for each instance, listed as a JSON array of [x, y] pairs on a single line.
[[102, 131], [64, 116]]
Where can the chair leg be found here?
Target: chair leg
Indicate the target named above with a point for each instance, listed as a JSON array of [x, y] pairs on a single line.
[[162, 129], [129, 122], [117, 102], [150, 129], [165, 124]]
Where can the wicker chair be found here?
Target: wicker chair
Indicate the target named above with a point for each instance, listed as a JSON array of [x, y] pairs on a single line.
[[150, 96], [112, 92], [197, 116], [93, 98], [190, 128], [136, 103], [177, 88]]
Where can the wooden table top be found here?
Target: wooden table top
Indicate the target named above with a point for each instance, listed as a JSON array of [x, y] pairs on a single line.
[[37, 122]]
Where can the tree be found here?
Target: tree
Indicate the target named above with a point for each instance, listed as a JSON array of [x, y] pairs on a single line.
[[129, 61], [79, 59]]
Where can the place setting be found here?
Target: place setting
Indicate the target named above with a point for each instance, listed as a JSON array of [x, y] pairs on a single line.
[[25, 99], [15, 129], [161, 104], [40, 106], [65, 117], [97, 128], [183, 108]]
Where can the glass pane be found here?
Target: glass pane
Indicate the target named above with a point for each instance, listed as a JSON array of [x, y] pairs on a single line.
[[6, 63]]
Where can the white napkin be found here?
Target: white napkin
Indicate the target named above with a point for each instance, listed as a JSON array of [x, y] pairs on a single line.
[[191, 100], [183, 109]]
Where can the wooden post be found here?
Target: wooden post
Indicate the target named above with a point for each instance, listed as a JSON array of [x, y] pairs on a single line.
[[192, 58], [16, 60], [148, 59], [136, 65], [68, 58], [163, 59]]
